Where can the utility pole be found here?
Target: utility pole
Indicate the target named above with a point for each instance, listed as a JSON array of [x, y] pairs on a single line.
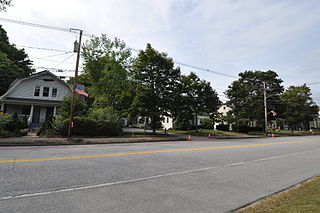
[[265, 108], [75, 83]]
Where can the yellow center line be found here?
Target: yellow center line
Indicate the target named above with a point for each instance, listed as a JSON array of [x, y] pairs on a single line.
[[150, 152]]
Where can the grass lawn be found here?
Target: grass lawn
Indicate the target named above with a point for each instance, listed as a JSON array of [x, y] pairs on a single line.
[[205, 132], [287, 132], [146, 134], [304, 198]]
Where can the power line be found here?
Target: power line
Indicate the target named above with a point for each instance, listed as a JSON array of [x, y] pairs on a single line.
[[313, 83], [49, 56], [91, 35], [43, 26], [206, 70], [63, 61], [43, 48]]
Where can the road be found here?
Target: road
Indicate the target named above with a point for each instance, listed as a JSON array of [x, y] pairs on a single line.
[[196, 176]]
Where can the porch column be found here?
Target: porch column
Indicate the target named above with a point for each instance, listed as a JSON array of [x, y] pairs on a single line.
[[54, 111], [31, 115], [2, 107]]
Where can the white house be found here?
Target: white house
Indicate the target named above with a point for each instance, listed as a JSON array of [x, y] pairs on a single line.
[[37, 97], [223, 111]]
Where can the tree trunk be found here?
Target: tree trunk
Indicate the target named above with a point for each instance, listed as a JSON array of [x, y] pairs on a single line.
[[154, 125], [196, 122]]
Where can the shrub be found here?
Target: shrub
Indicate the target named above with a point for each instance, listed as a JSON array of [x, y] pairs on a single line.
[[222, 127], [243, 129], [106, 113], [183, 125], [80, 108], [256, 129], [84, 126], [12, 123], [4, 134], [207, 124]]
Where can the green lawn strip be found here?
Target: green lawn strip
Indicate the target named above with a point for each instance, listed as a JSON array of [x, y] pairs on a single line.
[[303, 198], [206, 132], [141, 134]]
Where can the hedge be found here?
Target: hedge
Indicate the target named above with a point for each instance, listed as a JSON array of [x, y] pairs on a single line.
[[83, 126]]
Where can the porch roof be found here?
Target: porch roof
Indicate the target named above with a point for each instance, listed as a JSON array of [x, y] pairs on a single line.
[[27, 101]]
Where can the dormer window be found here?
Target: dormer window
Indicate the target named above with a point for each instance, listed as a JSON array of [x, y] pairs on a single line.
[[37, 91], [45, 92], [54, 92]]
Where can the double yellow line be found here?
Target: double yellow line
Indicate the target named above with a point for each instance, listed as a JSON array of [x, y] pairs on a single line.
[[149, 152]]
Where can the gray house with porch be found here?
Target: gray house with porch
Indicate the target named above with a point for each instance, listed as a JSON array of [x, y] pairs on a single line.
[[36, 97]]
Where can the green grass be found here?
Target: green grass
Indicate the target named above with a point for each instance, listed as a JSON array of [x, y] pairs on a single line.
[[287, 132], [141, 134], [304, 198], [205, 132]]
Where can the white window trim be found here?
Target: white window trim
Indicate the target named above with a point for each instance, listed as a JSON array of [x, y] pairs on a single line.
[[34, 90], [52, 92], [48, 92]]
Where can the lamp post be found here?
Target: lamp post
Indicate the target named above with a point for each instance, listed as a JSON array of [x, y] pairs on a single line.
[[75, 82]]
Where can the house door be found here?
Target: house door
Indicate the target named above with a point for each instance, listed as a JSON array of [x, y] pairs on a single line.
[[36, 114]]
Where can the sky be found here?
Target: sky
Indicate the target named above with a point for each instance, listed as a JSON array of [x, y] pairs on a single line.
[[226, 36]]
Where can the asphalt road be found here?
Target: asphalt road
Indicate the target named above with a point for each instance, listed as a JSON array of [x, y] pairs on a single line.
[[197, 176]]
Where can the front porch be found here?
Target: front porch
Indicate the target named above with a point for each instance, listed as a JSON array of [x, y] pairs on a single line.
[[35, 113]]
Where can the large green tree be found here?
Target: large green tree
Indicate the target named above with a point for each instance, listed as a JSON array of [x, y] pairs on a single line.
[[4, 4], [196, 97], [299, 106], [156, 82], [106, 70], [13, 62], [246, 94]]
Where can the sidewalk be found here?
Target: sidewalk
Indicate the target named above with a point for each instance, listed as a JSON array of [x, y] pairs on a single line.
[[40, 141]]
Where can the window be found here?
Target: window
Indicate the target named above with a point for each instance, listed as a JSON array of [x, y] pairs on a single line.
[[54, 92], [37, 91], [45, 92], [167, 120]]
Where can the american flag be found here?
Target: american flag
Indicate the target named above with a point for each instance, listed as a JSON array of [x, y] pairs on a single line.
[[81, 91], [273, 113]]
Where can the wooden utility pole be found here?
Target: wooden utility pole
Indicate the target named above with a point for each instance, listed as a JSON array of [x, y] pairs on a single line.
[[75, 83], [265, 108]]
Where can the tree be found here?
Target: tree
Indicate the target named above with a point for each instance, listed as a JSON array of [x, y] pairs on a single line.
[[156, 82], [81, 108], [246, 94], [4, 4], [299, 106], [14, 63], [196, 97], [106, 70]]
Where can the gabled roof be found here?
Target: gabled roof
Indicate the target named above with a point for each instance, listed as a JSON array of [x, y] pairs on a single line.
[[46, 72]]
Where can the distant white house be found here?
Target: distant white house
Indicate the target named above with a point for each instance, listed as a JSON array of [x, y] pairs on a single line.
[[36, 97], [223, 111]]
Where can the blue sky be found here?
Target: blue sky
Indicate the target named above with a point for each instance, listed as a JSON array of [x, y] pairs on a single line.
[[228, 36]]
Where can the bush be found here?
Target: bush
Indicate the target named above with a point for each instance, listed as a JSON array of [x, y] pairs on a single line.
[[106, 114], [222, 127], [12, 123], [4, 134], [183, 125], [243, 129], [83, 126], [256, 129], [207, 124]]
